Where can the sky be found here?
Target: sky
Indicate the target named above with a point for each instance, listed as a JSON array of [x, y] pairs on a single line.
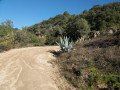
[[29, 12]]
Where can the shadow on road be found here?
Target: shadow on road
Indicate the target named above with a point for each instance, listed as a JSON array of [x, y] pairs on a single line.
[[56, 53]]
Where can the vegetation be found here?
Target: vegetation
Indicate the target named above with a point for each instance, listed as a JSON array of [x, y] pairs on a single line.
[[98, 18], [101, 17], [94, 64], [77, 28], [12, 37], [65, 44]]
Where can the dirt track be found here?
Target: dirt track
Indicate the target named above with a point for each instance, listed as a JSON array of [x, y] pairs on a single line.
[[28, 69]]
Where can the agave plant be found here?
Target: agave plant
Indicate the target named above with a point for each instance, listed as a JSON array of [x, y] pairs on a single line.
[[65, 44]]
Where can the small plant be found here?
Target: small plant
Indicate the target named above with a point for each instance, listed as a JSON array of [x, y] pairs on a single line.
[[65, 44]]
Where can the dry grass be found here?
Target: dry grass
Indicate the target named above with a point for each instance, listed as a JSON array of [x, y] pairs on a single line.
[[93, 64]]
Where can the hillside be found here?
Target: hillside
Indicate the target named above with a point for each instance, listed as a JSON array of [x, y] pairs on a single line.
[[98, 21], [93, 64], [98, 18]]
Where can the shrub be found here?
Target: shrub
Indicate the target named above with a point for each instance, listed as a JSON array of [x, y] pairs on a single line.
[[92, 67], [77, 28], [51, 40], [65, 44]]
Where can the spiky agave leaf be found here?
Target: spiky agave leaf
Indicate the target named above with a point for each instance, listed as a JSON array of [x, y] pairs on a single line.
[[65, 44]]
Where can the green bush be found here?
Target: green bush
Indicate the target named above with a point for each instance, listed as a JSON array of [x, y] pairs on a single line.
[[77, 28], [51, 40]]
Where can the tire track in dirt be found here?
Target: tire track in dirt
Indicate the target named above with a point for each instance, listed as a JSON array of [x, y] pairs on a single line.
[[29, 69]]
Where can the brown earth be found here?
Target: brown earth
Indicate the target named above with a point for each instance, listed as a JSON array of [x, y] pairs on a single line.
[[29, 69]]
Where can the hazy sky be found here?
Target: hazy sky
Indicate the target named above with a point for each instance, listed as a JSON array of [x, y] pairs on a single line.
[[29, 12]]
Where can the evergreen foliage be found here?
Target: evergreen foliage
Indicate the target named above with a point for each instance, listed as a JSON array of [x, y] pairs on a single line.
[[98, 18]]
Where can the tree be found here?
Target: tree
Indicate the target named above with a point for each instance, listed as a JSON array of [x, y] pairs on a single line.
[[24, 28], [78, 28], [66, 13], [8, 23], [6, 27]]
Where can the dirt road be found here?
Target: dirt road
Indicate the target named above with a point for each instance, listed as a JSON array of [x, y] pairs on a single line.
[[28, 69]]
